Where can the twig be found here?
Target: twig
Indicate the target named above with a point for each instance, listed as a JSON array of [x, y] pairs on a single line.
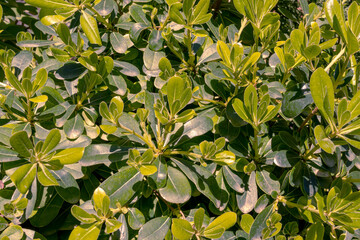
[[308, 118]]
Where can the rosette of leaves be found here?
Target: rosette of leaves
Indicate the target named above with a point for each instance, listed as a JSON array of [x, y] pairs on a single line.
[[27, 162], [91, 223], [183, 229]]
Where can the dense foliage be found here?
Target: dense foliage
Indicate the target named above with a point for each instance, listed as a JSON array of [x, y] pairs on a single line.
[[166, 119]]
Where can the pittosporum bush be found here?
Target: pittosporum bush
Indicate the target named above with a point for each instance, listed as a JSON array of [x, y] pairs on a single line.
[[166, 119]]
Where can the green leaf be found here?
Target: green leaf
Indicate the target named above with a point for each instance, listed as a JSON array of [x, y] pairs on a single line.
[[246, 221], [175, 14], [322, 91], [69, 156], [155, 229], [247, 201], [7, 155], [271, 112], [335, 15], [328, 44], [126, 68], [156, 41], [312, 52], [294, 102], [267, 182], [204, 181], [52, 19], [148, 169], [136, 218], [86, 231], [64, 34], [234, 180], [35, 43], [175, 88], [195, 127], [51, 141], [269, 18], [325, 143], [224, 158], [90, 28], [21, 143], [260, 223], [74, 127], [239, 108], [199, 218], [24, 176], [40, 79], [177, 189], [354, 106], [101, 201], [111, 225], [350, 141], [118, 42], [68, 188], [199, 15], [82, 215], [182, 229], [220, 224], [13, 80], [50, 4], [121, 186], [13, 232], [116, 107], [315, 232], [96, 154], [22, 60], [137, 14], [45, 177], [297, 40], [224, 52], [320, 205]]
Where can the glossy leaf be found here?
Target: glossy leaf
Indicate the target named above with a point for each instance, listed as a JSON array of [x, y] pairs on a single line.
[[121, 186], [177, 189], [90, 28], [155, 229]]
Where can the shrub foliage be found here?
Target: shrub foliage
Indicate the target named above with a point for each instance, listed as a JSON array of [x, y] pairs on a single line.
[[165, 119]]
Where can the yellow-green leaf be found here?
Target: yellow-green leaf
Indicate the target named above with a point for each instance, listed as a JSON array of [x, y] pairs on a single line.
[[39, 99], [69, 156], [90, 28], [52, 19], [148, 169]]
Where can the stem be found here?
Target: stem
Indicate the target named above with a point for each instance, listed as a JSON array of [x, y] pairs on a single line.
[[244, 23], [311, 152], [308, 118], [333, 231], [296, 205], [29, 112], [165, 22], [255, 145], [286, 76], [341, 73], [355, 79], [149, 143], [173, 210], [171, 47], [336, 58], [186, 153], [188, 44], [209, 100], [8, 111]]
